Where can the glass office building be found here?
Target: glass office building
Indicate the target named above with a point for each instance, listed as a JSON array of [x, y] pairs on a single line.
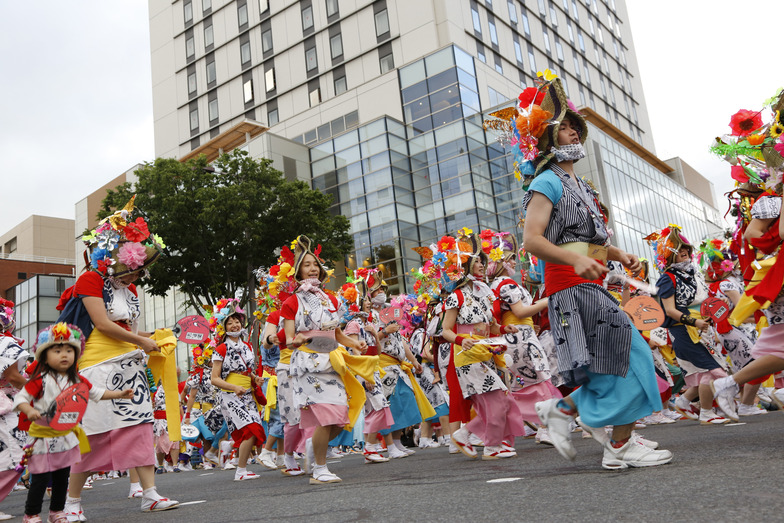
[[36, 301]]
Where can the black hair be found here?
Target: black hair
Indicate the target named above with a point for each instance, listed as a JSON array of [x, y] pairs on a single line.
[[41, 367]]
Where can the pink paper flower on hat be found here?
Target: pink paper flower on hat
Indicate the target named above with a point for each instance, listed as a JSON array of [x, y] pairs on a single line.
[[132, 255]]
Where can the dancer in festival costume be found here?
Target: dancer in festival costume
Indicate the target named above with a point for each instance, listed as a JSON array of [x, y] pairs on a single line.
[[473, 373], [54, 451], [163, 445], [202, 409], [273, 426], [326, 391], [12, 363], [377, 413], [598, 348], [682, 290], [234, 373], [120, 249], [513, 305]]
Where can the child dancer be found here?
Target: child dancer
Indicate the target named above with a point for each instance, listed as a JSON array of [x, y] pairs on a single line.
[[54, 451]]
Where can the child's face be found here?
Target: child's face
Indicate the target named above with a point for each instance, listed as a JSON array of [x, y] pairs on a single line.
[[233, 324], [60, 357]]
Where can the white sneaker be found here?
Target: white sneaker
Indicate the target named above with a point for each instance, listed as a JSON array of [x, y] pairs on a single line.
[[709, 417], [647, 442], [396, 453], [557, 424], [597, 433], [267, 459], [543, 437], [157, 505], [724, 391], [73, 511], [633, 454], [493, 453], [427, 443], [750, 410], [248, 475], [460, 438]]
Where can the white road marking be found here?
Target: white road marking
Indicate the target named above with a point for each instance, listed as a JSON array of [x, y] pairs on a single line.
[[503, 480], [109, 483], [193, 502], [735, 424], [207, 474]]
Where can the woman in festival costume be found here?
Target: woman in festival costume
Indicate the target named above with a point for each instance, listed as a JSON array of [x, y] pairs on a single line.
[[160, 429], [202, 409], [322, 375], [682, 290], [598, 349], [12, 363], [120, 432], [270, 357], [513, 305], [234, 372], [377, 413], [53, 451], [473, 373]]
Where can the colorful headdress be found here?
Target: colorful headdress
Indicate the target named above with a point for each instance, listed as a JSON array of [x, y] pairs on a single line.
[[277, 284], [7, 321], [715, 258], [754, 148], [443, 268], [372, 278], [302, 247], [666, 243], [352, 296], [56, 334], [414, 310], [202, 356], [503, 253], [223, 310], [122, 245]]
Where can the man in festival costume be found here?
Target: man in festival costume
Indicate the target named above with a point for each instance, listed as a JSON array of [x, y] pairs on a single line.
[[598, 349]]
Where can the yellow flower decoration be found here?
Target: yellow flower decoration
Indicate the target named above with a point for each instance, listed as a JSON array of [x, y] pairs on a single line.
[[465, 231], [776, 128], [286, 272], [673, 226], [88, 238], [200, 360], [158, 241], [293, 244], [547, 74], [496, 254]]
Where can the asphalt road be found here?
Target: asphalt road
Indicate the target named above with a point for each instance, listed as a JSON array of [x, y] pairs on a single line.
[[719, 473]]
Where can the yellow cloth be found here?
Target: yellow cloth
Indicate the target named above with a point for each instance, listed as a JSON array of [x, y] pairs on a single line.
[[244, 381], [39, 431], [348, 367], [476, 354], [163, 365], [285, 356], [271, 393], [761, 324], [694, 332], [100, 347], [668, 354], [426, 410], [509, 318], [747, 305], [202, 406]]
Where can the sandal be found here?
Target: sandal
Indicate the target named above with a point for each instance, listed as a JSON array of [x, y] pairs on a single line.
[[324, 478]]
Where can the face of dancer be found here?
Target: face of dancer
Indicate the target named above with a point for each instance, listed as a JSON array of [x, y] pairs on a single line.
[[129, 278], [567, 133], [60, 357], [683, 254], [366, 306], [309, 268], [233, 324], [478, 269]]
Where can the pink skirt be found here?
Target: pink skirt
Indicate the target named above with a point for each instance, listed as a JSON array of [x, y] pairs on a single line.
[[163, 444], [322, 415], [529, 395], [8, 479], [378, 420], [40, 463], [704, 378], [119, 449], [497, 418], [770, 342]]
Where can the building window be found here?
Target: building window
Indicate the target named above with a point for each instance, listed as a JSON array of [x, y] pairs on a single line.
[[209, 37], [315, 96], [576, 59], [336, 46], [382, 23], [518, 52], [575, 13], [582, 96], [547, 42], [571, 31], [187, 11], [559, 49], [531, 60], [526, 26], [332, 7], [387, 63], [311, 60], [212, 110], [206, 4], [512, 11], [475, 18], [542, 8], [601, 35], [590, 26], [307, 18], [499, 66], [211, 76], [242, 14], [340, 85], [269, 80], [604, 87], [245, 52], [553, 16], [493, 32], [480, 51], [615, 48], [192, 83], [247, 91], [596, 55], [266, 41], [194, 120], [587, 72], [263, 5], [581, 40], [272, 117], [190, 47]]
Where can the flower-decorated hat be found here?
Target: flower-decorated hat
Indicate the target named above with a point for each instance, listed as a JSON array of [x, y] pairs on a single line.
[[56, 334], [352, 296], [302, 247], [223, 310], [502, 255], [666, 243], [276, 284], [372, 278], [443, 267], [7, 321], [202, 356], [122, 245], [715, 258]]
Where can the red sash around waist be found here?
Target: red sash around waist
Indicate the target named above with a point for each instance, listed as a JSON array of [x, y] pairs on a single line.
[[560, 277]]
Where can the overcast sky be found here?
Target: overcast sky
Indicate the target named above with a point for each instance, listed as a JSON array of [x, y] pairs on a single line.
[[76, 100]]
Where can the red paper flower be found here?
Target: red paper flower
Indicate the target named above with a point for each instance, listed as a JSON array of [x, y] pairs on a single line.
[[446, 243], [317, 252], [530, 95], [487, 234], [137, 231], [287, 255], [745, 122], [738, 174]]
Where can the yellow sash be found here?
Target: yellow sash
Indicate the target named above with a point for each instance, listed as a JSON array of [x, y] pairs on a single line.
[[426, 410], [164, 367], [202, 406], [271, 393], [39, 431], [285, 356], [509, 318], [348, 367], [694, 332], [244, 381], [476, 354], [100, 347], [747, 305]]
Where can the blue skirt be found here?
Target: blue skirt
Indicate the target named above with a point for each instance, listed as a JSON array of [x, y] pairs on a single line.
[[214, 439], [441, 410], [608, 399], [403, 405], [273, 427], [345, 437]]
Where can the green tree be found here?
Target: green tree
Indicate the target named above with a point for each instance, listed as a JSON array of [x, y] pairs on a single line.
[[221, 221]]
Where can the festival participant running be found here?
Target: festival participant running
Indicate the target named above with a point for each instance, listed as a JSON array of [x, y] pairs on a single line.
[[233, 372], [473, 369], [53, 452], [682, 290], [320, 374], [598, 349], [421, 348], [202, 409], [13, 359], [120, 432]]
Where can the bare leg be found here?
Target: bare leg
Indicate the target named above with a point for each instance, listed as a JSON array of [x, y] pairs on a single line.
[[622, 432], [245, 448], [691, 394], [758, 368], [133, 475], [706, 396], [446, 427], [76, 483], [749, 395], [321, 438], [146, 476], [426, 430], [271, 442]]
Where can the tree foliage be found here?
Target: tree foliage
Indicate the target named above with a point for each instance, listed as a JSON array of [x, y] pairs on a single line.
[[221, 221]]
